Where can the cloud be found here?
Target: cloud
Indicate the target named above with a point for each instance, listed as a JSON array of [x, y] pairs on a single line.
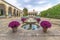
[[15, 3], [28, 6], [41, 7], [26, 1], [38, 5], [58, 1], [41, 2]]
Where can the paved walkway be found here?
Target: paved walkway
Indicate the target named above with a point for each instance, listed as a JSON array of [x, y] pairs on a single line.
[[52, 34]]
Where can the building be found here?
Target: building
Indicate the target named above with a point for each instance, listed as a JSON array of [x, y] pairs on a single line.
[[33, 13], [9, 10]]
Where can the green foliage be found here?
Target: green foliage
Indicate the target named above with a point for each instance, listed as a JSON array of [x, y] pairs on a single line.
[[0, 14], [53, 12], [25, 10]]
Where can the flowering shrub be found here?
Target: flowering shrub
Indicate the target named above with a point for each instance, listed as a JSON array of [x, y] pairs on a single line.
[[23, 19], [45, 24], [38, 20], [14, 24]]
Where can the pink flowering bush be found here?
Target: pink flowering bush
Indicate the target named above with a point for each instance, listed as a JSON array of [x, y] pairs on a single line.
[[38, 20], [45, 24], [14, 24], [23, 19]]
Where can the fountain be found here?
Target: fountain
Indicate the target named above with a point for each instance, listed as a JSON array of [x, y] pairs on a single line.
[[30, 24]]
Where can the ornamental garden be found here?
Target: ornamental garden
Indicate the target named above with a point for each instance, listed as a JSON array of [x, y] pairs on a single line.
[[30, 23]]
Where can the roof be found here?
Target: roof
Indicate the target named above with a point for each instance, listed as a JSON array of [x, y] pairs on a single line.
[[10, 4], [32, 12]]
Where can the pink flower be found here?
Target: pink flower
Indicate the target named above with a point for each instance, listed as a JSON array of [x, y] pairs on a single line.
[[14, 24], [46, 24], [23, 19], [38, 20]]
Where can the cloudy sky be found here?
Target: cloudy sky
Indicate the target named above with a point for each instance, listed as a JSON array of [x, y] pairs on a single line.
[[38, 5]]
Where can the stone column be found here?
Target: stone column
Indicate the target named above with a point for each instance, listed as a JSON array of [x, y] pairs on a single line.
[[12, 12], [19, 14], [16, 13], [6, 9]]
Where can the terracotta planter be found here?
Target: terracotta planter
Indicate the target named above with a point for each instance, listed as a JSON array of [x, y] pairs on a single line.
[[44, 30], [14, 29]]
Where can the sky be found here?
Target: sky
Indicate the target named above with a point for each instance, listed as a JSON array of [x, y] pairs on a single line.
[[38, 5]]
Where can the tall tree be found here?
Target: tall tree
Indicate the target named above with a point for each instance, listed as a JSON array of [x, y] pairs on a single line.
[[53, 12], [25, 10]]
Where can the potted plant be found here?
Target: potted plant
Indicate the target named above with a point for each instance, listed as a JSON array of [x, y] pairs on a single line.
[[23, 19], [45, 25], [14, 25], [38, 20]]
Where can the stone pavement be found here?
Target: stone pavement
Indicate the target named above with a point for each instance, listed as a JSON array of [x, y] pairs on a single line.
[[52, 34]]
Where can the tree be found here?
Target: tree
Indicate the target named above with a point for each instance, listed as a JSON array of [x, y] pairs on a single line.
[[53, 12], [25, 10]]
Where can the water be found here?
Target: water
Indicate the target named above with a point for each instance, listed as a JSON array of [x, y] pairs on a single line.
[[37, 16], [26, 27], [33, 27]]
